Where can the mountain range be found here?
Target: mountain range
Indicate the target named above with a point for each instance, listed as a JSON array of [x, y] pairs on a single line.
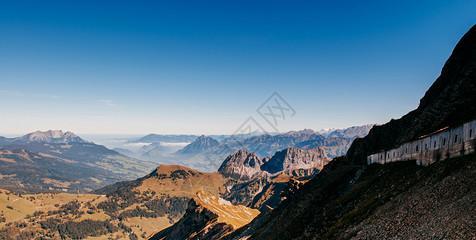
[[62, 161], [158, 138], [206, 153]]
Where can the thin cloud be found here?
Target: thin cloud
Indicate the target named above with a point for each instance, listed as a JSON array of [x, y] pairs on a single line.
[[107, 102]]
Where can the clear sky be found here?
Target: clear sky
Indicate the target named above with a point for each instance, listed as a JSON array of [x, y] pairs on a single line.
[[205, 66]]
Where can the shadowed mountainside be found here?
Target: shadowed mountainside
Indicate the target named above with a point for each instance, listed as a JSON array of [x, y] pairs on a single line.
[[348, 200], [449, 101]]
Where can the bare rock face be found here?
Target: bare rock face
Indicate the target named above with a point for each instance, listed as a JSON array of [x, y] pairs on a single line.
[[244, 165], [208, 217], [241, 165], [262, 183], [297, 162], [194, 224]]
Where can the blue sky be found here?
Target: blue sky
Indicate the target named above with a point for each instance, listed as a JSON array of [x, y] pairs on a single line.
[[205, 66]]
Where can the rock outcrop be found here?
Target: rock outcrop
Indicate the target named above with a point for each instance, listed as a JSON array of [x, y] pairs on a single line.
[[296, 162], [241, 166], [208, 217], [264, 183]]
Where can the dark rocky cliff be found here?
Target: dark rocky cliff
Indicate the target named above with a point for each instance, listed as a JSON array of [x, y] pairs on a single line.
[[451, 100]]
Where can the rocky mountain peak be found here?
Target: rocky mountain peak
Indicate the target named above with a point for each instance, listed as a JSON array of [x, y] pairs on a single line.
[[242, 165], [297, 162], [52, 136]]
